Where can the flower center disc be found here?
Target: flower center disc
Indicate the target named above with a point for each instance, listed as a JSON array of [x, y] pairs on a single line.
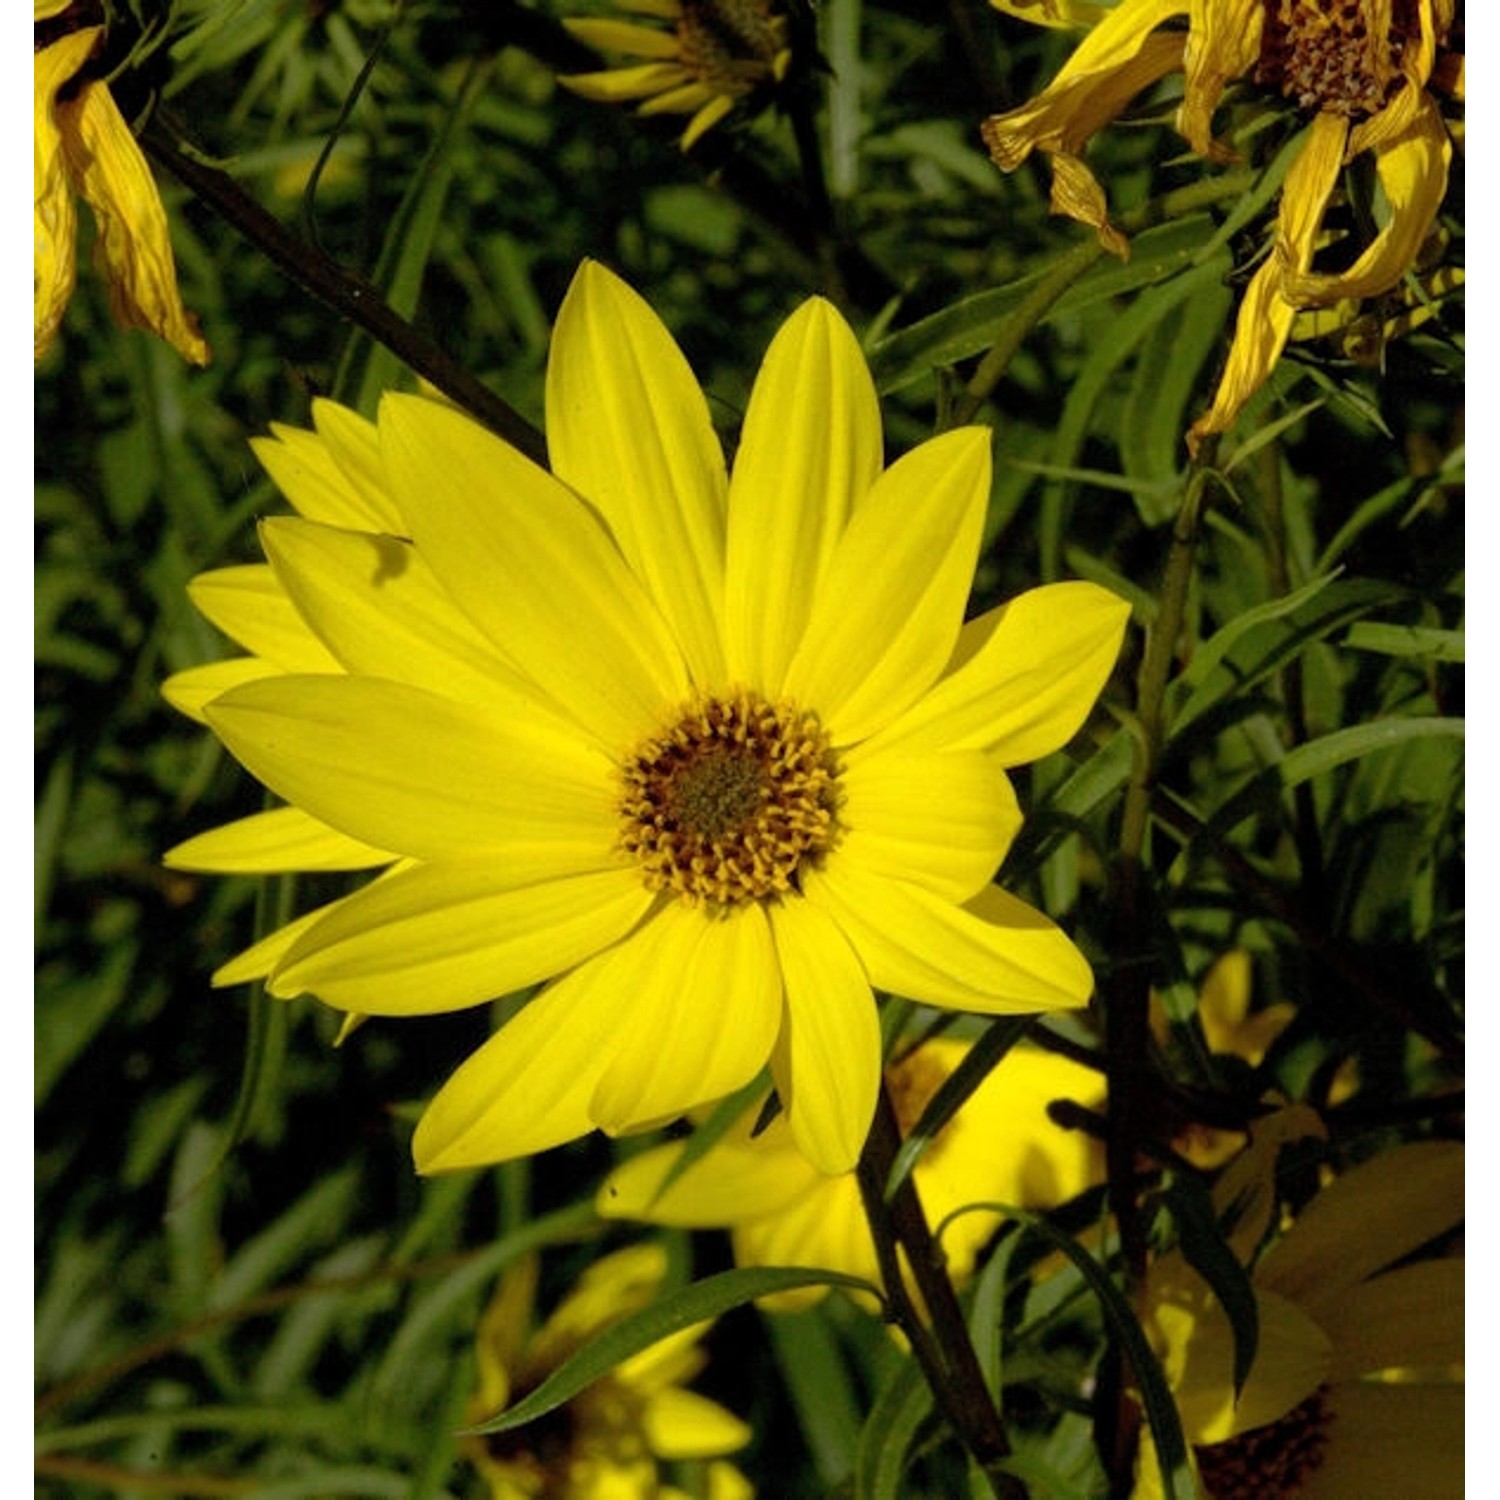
[[730, 44], [1269, 1460], [732, 801], [1341, 56]]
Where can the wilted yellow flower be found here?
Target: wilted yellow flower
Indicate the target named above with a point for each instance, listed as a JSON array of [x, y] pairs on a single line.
[[1356, 1389], [711, 55], [717, 753], [1360, 68], [1000, 1147], [610, 1441], [83, 145]]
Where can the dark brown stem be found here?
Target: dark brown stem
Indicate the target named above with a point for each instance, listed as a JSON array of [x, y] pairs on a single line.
[[942, 1348], [341, 291]]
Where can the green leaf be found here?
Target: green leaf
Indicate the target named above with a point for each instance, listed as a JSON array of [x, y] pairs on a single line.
[[1421, 641], [902, 1406], [822, 1392], [699, 1303]]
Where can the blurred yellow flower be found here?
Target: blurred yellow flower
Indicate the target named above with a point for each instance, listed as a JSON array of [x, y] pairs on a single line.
[[1360, 68], [711, 56], [714, 754], [780, 1210], [1356, 1388], [83, 145], [610, 1441]]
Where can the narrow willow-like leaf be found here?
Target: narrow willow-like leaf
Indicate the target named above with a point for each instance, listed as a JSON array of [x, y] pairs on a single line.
[[1204, 1248], [1424, 642], [978, 1063], [902, 1406], [818, 1380], [699, 1303]]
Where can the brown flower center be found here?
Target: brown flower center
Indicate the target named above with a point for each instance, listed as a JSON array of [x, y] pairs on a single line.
[[731, 45], [1338, 56], [1270, 1460], [732, 802]]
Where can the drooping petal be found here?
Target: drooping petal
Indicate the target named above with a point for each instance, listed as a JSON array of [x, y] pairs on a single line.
[[265, 843], [888, 611], [319, 487], [534, 569], [1223, 43], [1265, 316], [994, 954], [1058, 13], [55, 222], [528, 1088], [1413, 173], [252, 609], [1409, 1318], [615, 85], [827, 1062], [626, 37], [681, 1424], [628, 428], [1022, 681], [682, 100], [405, 769], [380, 610], [1412, 1431], [443, 937], [698, 1011], [1371, 1216], [704, 120], [133, 247], [809, 452], [943, 820]]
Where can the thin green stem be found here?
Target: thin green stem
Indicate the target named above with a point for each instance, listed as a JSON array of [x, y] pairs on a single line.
[[341, 291], [943, 1349]]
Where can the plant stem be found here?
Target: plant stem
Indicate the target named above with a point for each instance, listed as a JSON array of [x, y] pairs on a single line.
[[341, 291], [943, 1349]]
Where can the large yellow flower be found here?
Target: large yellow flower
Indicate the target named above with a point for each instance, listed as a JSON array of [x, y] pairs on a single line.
[[1361, 69], [781, 1211], [610, 1440], [1356, 1388], [83, 145], [712, 55], [716, 751]]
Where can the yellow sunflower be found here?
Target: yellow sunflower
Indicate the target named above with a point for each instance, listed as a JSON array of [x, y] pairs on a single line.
[[711, 56], [716, 752], [1356, 1388], [781, 1211], [610, 1440], [83, 145], [1360, 68]]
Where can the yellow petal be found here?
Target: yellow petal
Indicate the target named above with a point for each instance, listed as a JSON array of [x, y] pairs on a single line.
[[994, 954], [1415, 1432], [888, 611], [257, 961], [285, 838], [941, 820], [615, 85], [1371, 1216], [377, 605], [628, 428], [1060, 13], [680, 1424], [1413, 173], [193, 689], [252, 609], [705, 119], [528, 1088], [810, 450], [133, 247], [1224, 40], [826, 1227], [534, 569], [402, 768], [699, 1009], [684, 99], [320, 487], [624, 36], [1409, 1318], [1022, 680], [443, 937], [55, 221], [827, 1063]]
